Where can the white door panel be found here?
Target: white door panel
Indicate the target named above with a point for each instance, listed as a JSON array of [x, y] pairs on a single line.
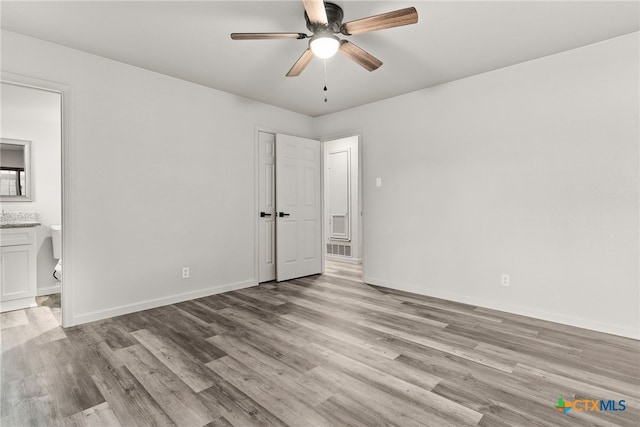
[[338, 194], [266, 205], [310, 242], [288, 245], [298, 231]]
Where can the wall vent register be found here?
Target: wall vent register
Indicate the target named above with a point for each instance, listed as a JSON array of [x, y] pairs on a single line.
[[338, 249]]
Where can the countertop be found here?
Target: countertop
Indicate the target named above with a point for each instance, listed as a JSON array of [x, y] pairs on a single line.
[[19, 224]]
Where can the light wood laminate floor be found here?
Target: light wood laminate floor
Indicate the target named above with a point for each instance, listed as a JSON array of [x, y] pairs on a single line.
[[319, 351]]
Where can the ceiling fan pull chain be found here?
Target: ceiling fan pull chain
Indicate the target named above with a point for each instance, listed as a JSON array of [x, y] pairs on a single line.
[[325, 80]]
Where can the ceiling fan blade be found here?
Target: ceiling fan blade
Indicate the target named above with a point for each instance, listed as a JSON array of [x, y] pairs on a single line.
[[396, 18], [267, 36], [359, 56], [301, 63], [316, 11]]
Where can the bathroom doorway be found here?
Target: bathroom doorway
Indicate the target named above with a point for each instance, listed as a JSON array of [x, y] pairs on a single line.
[[33, 114]]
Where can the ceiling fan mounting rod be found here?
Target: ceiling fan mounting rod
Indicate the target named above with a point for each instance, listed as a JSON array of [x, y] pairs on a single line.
[[334, 18]]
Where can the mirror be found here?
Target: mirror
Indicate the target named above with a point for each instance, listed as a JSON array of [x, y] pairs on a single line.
[[15, 173]]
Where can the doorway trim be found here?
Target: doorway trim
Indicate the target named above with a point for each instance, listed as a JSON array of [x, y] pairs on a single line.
[[66, 214]]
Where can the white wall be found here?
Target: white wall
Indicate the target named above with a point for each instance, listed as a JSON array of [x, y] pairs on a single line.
[[34, 115], [530, 170], [134, 221]]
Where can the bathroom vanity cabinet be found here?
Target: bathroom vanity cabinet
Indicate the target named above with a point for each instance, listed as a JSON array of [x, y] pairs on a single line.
[[17, 268]]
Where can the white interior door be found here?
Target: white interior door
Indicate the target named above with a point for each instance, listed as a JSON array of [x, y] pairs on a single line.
[[338, 198], [298, 206], [267, 208]]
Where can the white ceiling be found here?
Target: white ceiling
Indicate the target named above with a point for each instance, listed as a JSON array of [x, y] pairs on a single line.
[[190, 40]]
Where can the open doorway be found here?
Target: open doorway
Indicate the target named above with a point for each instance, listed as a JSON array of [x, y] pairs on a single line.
[[338, 224], [32, 119], [343, 208]]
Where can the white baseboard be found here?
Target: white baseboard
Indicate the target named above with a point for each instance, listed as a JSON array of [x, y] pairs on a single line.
[[157, 302], [48, 290], [343, 259], [607, 328], [17, 304]]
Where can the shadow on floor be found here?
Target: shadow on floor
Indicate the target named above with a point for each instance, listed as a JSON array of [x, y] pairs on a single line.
[[52, 300]]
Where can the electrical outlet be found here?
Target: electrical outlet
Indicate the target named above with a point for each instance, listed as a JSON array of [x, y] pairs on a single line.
[[505, 280], [185, 272]]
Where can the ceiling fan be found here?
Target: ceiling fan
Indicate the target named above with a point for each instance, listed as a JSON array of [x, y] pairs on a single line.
[[324, 20]]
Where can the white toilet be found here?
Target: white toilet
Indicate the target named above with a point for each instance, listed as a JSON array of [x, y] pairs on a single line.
[[56, 240]]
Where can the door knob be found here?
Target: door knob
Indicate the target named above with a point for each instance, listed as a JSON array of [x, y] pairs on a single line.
[[281, 214], [263, 214]]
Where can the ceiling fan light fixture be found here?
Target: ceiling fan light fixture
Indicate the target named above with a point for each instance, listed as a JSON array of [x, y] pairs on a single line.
[[324, 45]]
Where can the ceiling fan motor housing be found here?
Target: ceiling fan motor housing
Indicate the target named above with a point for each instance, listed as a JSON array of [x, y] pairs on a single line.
[[334, 18]]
